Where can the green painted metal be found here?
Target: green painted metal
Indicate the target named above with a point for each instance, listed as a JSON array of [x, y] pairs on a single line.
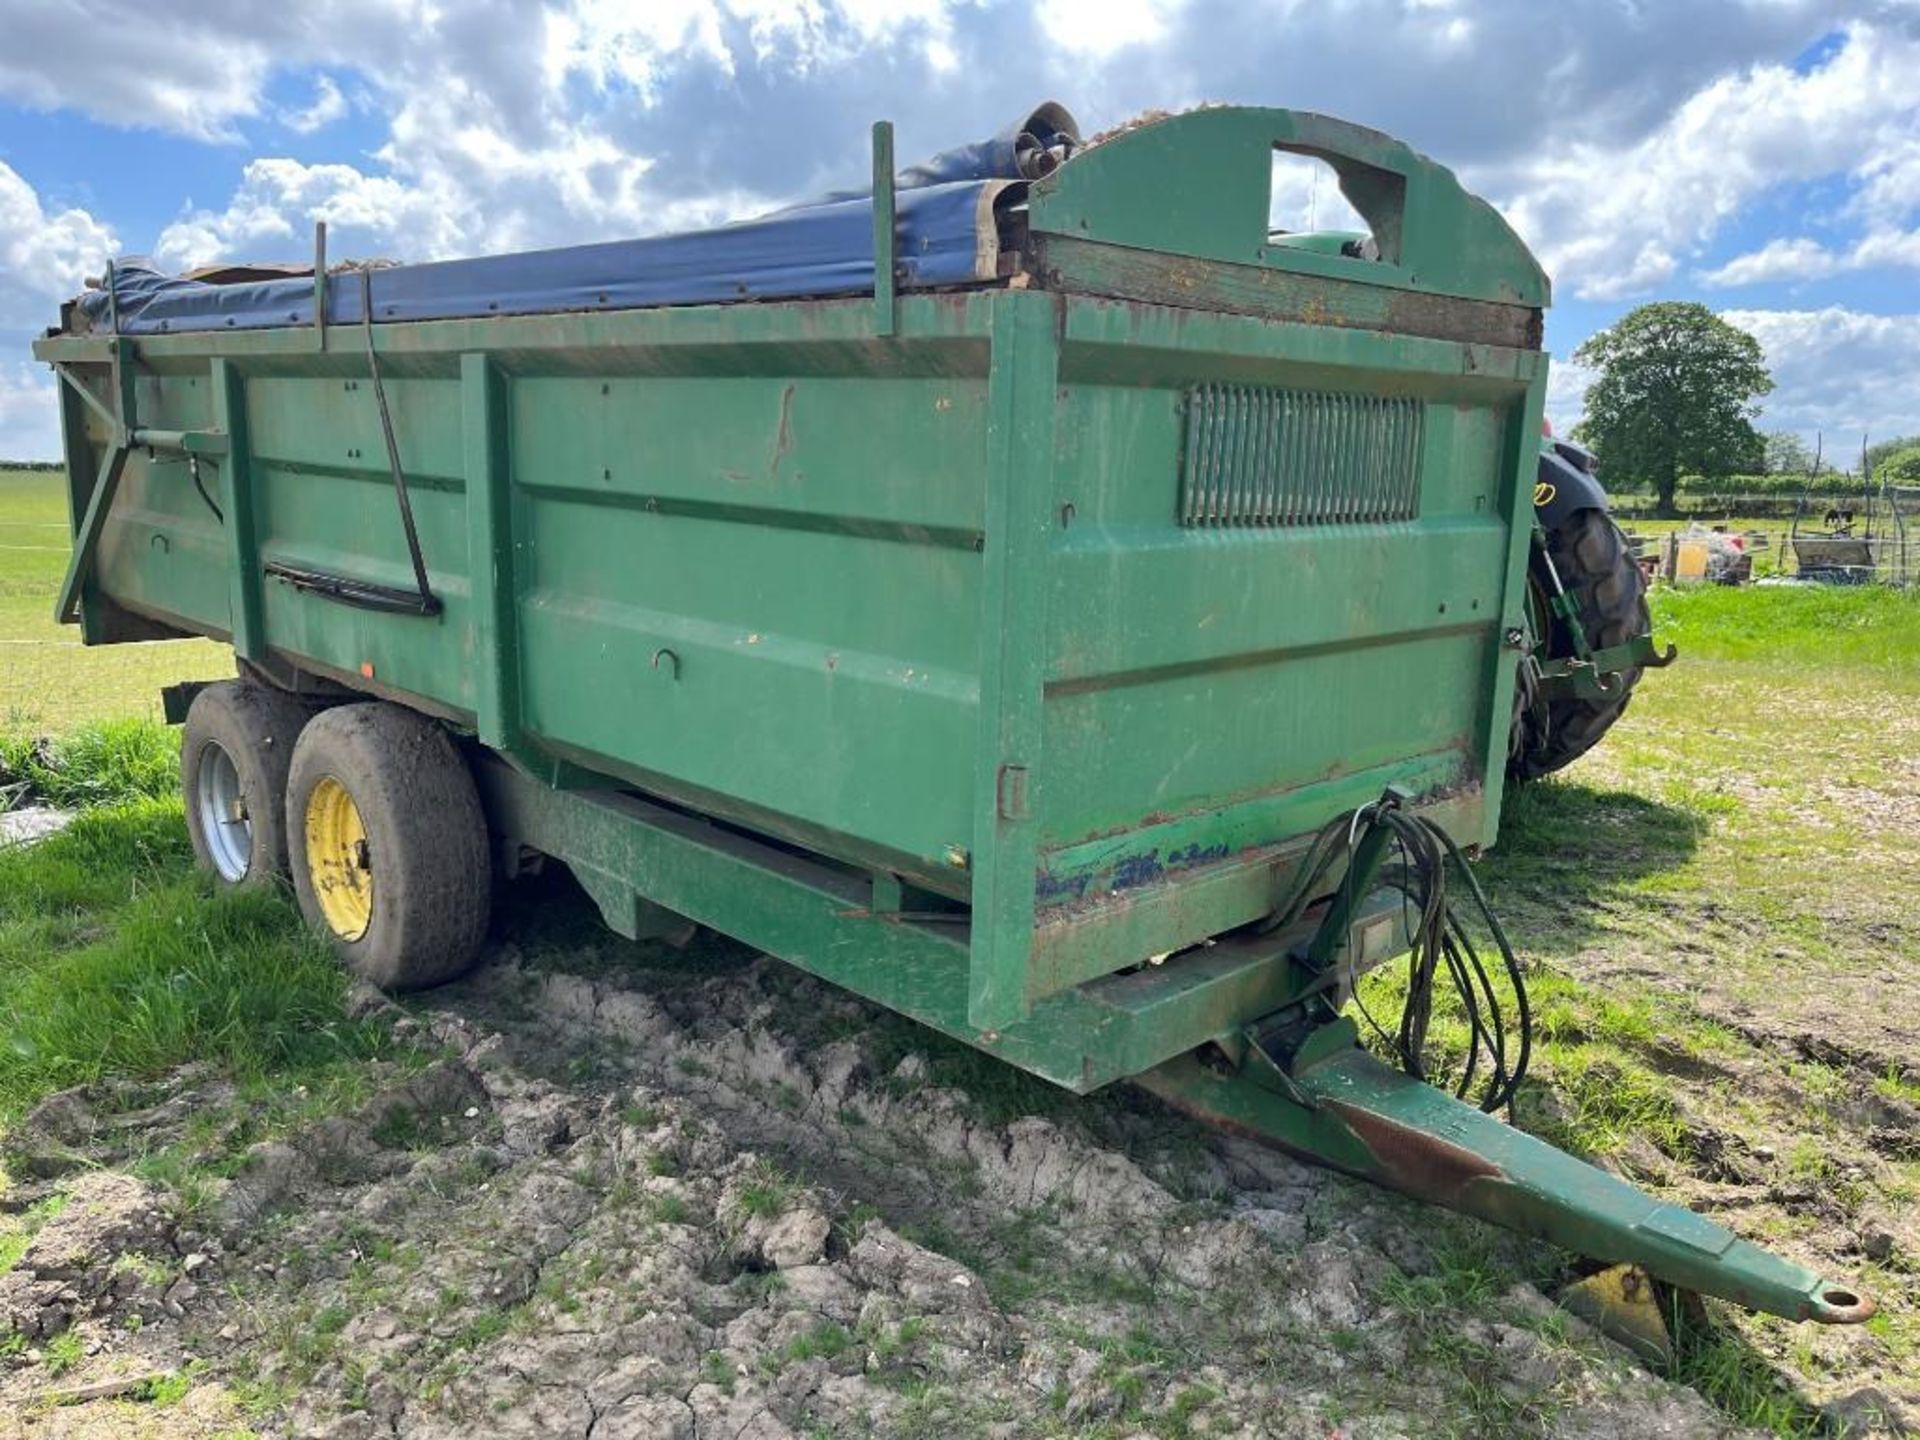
[[78, 406], [186, 442], [1594, 674], [926, 602], [1588, 672], [1022, 413], [884, 239], [90, 525], [1516, 511], [490, 554], [1352, 1112], [839, 925], [1201, 188], [1298, 457], [990, 653], [319, 284], [86, 540], [238, 516]]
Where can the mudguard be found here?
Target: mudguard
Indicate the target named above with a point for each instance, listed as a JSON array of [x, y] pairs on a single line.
[[1561, 488]]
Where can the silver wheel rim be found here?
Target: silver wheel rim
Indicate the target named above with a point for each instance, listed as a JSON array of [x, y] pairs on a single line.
[[222, 811]]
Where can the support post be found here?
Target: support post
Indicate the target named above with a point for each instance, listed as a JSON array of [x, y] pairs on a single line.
[[86, 542], [245, 600], [1022, 407], [106, 483], [884, 244], [1520, 459], [496, 635], [77, 445], [87, 397], [1362, 866], [320, 285]]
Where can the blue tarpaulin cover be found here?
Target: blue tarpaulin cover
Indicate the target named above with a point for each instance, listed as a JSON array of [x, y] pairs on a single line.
[[947, 234]]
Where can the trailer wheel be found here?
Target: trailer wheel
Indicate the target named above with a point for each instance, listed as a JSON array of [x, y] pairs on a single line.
[[390, 857], [235, 751], [1592, 559]]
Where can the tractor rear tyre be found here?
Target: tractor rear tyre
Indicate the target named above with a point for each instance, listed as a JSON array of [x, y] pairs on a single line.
[[389, 845], [1599, 573], [235, 750]]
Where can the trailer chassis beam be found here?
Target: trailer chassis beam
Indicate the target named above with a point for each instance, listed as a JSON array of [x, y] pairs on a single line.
[[1334, 1104], [637, 858], [1295, 1078]]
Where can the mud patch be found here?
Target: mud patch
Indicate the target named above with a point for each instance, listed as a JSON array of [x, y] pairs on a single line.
[[640, 1199]]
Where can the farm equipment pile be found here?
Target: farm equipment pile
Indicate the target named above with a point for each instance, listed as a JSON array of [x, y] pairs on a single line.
[[1029, 594], [1854, 540]]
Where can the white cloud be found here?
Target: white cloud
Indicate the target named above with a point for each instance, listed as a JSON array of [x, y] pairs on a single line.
[[1802, 259], [1613, 219], [614, 43], [1890, 182], [29, 414], [1839, 371], [1097, 28], [1599, 156], [1306, 195], [271, 217], [1887, 247], [1567, 382], [43, 255], [194, 74], [328, 106], [1606, 276], [1780, 259]]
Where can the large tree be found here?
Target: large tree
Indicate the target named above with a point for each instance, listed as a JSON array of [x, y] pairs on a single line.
[[1675, 395], [1886, 449], [1787, 453], [1900, 468]]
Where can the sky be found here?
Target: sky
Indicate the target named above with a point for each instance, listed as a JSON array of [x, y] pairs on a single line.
[[1761, 156]]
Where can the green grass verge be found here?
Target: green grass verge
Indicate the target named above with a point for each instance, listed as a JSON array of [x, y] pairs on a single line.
[[117, 962], [99, 763], [1812, 626]]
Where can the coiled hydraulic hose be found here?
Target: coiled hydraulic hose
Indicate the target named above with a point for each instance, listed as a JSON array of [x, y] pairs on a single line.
[[1423, 854]]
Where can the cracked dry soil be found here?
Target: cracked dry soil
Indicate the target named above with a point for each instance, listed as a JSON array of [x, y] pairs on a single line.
[[638, 1193]]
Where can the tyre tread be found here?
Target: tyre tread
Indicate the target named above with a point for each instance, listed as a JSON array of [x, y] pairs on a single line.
[[260, 728], [1591, 556], [416, 795]]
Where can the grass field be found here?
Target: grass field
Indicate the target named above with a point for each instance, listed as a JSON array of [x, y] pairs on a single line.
[[1717, 909], [1721, 904], [48, 681]]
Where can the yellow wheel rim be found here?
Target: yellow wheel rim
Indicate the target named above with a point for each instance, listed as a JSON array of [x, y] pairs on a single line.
[[338, 865]]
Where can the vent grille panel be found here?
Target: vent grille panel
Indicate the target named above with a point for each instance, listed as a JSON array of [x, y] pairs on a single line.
[[1298, 457]]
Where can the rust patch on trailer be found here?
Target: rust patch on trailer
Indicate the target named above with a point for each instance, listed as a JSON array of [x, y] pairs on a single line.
[[1415, 1162], [783, 438]]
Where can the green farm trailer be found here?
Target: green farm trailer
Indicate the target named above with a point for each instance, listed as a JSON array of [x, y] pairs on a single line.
[[1030, 594]]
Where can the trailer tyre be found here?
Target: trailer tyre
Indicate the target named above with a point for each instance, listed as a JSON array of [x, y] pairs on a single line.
[[235, 751], [389, 845], [1598, 571]]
